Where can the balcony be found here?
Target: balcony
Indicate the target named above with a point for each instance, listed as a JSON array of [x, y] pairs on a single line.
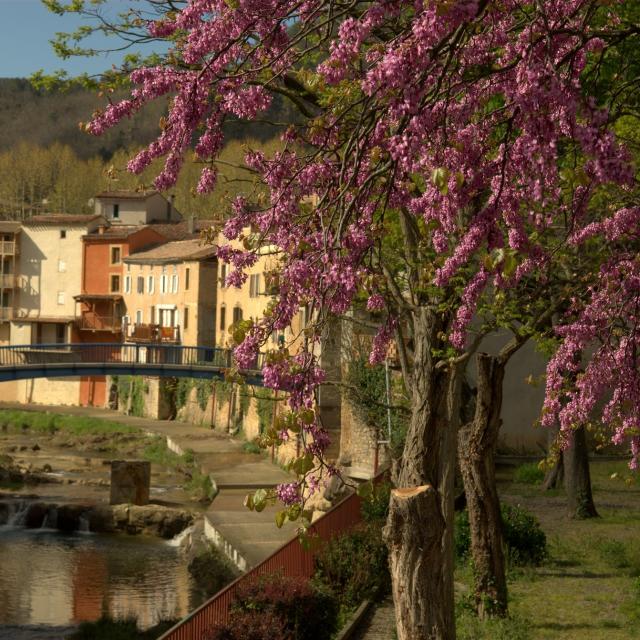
[[8, 247], [153, 333], [90, 321], [8, 281], [6, 314]]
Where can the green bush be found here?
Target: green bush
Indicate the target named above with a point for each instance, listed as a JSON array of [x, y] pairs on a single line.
[[529, 473], [211, 571], [525, 541], [108, 629], [376, 509], [355, 565], [251, 447]]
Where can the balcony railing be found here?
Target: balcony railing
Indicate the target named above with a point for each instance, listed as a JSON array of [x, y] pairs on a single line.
[[153, 333], [95, 322], [8, 281], [6, 313], [8, 247]]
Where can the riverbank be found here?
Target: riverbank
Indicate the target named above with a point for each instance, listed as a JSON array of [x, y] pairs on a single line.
[[246, 537]]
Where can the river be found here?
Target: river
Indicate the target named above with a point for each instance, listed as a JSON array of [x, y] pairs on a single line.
[[50, 581]]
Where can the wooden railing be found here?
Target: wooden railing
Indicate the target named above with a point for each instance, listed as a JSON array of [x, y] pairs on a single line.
[[292, 559], [153, 333], [7, 247], [94, 322]]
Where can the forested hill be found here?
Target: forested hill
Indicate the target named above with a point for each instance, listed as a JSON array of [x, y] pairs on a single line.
[[44, 118]]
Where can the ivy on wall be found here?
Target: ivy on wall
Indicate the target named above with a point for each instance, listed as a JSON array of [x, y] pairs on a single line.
[[131, 393], [367, 393]]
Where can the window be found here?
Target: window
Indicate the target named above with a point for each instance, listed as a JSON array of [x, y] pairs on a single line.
[[223, 318], [237, 314], [140, 284], [186, 278], [151, 285], [115, 283], [185, 320], [152, 315], [254, 285], [174, 284], [63, 234], [163, 283], [60, 297], [223, 276], [127, 284], [62, 266], [115, 255], [126, 321], [139, 316], [116, 211], [61, 332]]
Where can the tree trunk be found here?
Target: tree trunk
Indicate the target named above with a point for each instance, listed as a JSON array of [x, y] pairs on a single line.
[[419, 530], [577, 479], [476, 452], [554, 477]]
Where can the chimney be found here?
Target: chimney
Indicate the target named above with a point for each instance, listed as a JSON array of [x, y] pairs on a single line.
[[170, 206], [191, 225]]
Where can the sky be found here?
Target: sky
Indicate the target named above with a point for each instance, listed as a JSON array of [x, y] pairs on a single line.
[[26, 27]]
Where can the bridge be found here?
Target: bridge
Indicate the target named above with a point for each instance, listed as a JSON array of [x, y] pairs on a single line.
[[22, 362]]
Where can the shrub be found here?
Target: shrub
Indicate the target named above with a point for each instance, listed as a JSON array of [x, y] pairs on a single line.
[[525, 541], [529, 473], [211, 571], [274, 606], [355, 565], [377, 508]]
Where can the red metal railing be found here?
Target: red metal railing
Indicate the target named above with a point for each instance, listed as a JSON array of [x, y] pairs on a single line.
[[291, 559]]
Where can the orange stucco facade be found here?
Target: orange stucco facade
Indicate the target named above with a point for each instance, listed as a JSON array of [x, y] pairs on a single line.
[[100, 303]]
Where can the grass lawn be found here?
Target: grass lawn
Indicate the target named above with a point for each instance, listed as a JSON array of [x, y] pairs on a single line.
[[13, 420], [589, 587]]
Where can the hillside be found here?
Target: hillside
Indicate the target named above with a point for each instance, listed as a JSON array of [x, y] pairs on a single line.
[[42, 119]]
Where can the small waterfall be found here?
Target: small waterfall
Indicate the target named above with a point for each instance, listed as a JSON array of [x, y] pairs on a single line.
[[18, 514], [50, 520], [83, 524], [181, 538]]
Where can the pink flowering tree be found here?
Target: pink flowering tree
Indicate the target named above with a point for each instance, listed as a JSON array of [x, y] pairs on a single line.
[[449, 123]]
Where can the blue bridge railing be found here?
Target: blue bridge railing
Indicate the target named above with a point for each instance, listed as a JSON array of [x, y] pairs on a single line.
[[46, 360]]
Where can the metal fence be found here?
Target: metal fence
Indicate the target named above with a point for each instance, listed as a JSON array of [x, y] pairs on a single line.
[[292, 559], [16, 355]]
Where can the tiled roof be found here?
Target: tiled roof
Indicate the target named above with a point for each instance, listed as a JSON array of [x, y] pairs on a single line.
[[176, 251], [9, 226], [126, 195], [115, 232], [180, 230], [61, 219]]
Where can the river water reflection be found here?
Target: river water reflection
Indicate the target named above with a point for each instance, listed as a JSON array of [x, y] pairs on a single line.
[[54, 579]]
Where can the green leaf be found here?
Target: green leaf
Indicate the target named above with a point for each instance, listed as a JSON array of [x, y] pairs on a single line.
[[248, 502], [281, 518], [440, 178], [303, 464], [365, 490]]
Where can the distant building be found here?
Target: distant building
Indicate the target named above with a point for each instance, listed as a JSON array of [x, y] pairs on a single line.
[[100, 307], [135, 207], [169, 294], [49, 269], [9, 250]]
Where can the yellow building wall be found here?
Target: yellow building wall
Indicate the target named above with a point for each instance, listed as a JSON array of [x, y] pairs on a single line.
[[199, 299]]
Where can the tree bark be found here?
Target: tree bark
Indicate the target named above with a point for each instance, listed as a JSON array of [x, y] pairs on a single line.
[[554, 477], [419, 530], [577, 479], [477, 442]]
